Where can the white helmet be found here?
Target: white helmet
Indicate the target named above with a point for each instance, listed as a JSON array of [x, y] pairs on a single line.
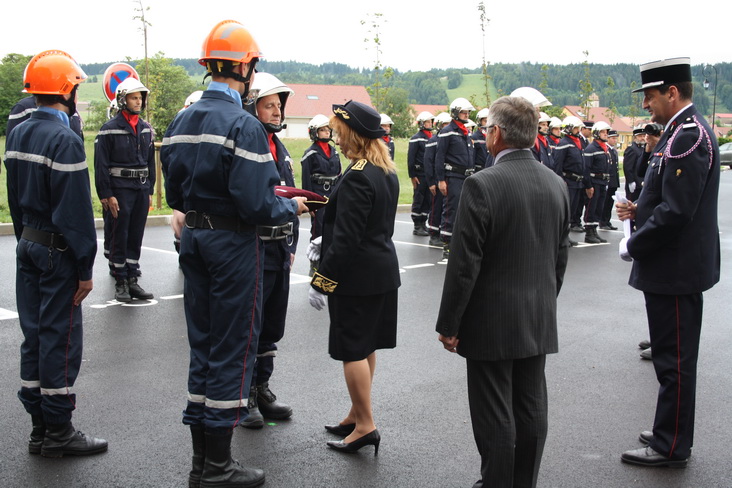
[[131, 85], [482, 114], [533, 95], [600, 125], [544, 117], [424, 116], [470, 123], [316, 123], [193, 98], [386, 120], [266, 84], [443, 118], [570, 122], [458, 105], [555, 122]]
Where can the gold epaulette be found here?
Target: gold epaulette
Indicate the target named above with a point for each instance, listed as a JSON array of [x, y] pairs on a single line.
[[325, 284], [359, 165]]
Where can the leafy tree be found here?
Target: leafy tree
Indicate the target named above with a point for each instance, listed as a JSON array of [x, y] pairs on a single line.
[[11, 83], [454, 79], [401, 113]]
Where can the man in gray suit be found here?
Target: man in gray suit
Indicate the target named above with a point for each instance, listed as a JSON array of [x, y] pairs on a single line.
[[499, 301]]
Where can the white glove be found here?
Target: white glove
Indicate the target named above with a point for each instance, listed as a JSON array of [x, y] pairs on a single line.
[[631, 187], [623, 250], [317, 300], [313, 252]]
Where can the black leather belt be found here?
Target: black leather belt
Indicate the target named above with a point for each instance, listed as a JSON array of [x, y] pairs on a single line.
[[461, 170], [129, 173], [49, 239], [319, 179], [601, 176], [572, 176], [275, 232], [203, 220]]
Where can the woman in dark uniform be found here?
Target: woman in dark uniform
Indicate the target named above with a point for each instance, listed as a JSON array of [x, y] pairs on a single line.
[[359, 270]]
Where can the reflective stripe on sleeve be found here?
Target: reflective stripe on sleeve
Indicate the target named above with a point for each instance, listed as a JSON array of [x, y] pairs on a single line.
[[40, 159]]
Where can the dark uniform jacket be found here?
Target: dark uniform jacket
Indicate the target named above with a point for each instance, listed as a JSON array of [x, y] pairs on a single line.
[[277, 252], [389, 141], [613, 168], [314, 164], [22, 110], [415, 153], [357, 254], [454, 148], [118, 146], [481, 150], [542, 151], [430, 149], [48, 185], [501, 284], [597, 164], [631, 164], [675, 247], [569, 164]]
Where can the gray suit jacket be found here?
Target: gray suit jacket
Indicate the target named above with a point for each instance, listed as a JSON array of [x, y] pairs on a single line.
[[508, 254]]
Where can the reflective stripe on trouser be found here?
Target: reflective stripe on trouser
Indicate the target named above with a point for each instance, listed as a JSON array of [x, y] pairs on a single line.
[[50, 355], [450, 207], [435, 218], [223, 303], [127, 230]]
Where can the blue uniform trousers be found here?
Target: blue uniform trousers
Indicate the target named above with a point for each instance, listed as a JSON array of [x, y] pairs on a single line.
[[223, 306], [50, 355], [421, 201], [276, 292], [674, 323], [594, 205], [126, 231], [450, 207], [435, 218]]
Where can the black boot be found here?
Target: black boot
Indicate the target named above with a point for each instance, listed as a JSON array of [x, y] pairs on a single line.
[[136, 290], [220, 471], [198, 435], [122, 291], [35, 441], [269, 406], [420, 230], [435, 241], [594, 231], [63, 440], [254, 420], [590, 235]]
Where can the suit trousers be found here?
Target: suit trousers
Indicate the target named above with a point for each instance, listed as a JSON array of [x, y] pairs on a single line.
[[674, 322], [508, 409]]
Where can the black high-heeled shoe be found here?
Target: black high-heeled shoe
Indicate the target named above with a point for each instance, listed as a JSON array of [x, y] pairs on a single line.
[[342, 430], [371, 439]]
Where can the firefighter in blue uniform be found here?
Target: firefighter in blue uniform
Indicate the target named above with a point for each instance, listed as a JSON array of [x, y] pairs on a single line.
[[454, 161], [555, 132], [613, 183], [387, 124], [50, 204], [483, 158], [124, 170], [542, 149], [568, 164], [631, 161], [436, 199], [219, 171], [22, 111], [675, 252], [269, 98], [597, 175], [415, 167]]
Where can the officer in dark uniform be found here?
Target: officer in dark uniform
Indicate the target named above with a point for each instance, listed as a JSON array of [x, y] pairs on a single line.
[[386, 124], [631, 160], [124, 170], [221, 255], [675, 253], [542, 150], [415, 167], [483, 158], [613, 183], [596, 176], [269, 98], [22, 111], [568, 163], [434, 220], [50, 204], [454, 161], [321, 168], [586, 132]]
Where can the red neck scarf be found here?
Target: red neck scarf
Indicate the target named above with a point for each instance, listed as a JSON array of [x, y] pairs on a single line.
[[427, 132], [602, 144], [132, 119], [325, 147], [462, 127], [540, 139], [272, 146], [576, 141]]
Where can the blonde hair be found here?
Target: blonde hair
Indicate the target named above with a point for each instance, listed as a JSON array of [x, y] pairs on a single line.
[[355, 146]]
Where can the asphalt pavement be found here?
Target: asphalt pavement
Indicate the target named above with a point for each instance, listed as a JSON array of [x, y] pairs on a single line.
[[132, 386]]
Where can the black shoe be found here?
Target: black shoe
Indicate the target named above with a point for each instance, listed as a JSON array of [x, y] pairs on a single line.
[[608, 226], [136, 290], [590, 237], [371, 439], [122, 291], [198, 437], [646, 354], [644, 344], [576, 228], [420, 230], [63, 440], [435, 241], [269, 406], [220, 471], [342, 430], [645, 456], [35, 441], [646, 437], [254, 420]]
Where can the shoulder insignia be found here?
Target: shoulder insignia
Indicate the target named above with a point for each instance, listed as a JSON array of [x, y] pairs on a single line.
[[689, 126], [325, 284], [359, 165]]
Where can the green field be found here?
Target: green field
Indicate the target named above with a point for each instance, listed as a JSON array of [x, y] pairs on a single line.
[[472, 86], [296, 147]]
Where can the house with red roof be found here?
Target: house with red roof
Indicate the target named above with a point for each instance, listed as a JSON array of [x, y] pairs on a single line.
[[311, 100]]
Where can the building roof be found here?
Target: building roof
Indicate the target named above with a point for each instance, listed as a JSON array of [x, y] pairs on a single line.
[[311, 100], [433, 109], [598, 114]]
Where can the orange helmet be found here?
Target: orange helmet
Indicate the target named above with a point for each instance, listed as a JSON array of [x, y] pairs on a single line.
[[52, 73], [229, 41]]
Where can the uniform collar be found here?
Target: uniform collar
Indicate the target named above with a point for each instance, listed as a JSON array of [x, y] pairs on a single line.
[[62, 116]]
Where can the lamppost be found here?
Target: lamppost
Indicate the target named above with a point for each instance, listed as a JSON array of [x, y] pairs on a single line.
[[706, 87]]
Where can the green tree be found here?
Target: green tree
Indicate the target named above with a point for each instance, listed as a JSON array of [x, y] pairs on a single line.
[[612, 110], [11, 83], [401, 113], [585, 86], [634, 110]]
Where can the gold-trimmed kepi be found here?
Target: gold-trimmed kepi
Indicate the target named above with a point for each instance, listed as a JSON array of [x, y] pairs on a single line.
[[664, 72]]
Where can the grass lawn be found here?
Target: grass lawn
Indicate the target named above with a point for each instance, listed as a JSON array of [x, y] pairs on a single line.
[[296, 147]]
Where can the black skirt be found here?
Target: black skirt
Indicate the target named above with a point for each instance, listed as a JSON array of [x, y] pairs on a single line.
[[359, 325]]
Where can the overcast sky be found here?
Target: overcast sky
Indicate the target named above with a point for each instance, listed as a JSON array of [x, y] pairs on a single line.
[[415, 34]]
